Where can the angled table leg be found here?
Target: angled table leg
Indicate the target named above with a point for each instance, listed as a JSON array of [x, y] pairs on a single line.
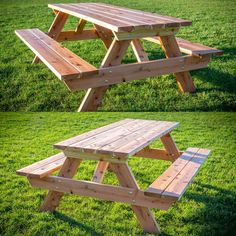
[[80, 26], [171, 49], [170, 146], [138, 49], [68, 170], [100, 171], [104, 35], [55, 28], [143, 214], [115, 53]]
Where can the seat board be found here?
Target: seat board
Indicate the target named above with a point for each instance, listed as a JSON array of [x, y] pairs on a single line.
[[62, 62], [191, 48], [122, 138], [118, 18], [174, 181], [43, 168]]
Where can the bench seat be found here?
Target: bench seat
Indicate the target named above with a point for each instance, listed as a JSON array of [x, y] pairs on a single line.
[[175, 180], [43, 168], [191, 48], [61, 61]]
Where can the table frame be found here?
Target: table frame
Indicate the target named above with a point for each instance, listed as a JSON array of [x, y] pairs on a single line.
[[127, 192], [117, 44]]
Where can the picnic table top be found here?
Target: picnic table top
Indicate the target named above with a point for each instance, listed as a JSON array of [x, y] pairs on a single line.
[[119, 19], [123, 138]]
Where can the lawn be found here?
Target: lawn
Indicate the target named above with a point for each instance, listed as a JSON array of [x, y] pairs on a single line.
[[26, 87], [207, 208]]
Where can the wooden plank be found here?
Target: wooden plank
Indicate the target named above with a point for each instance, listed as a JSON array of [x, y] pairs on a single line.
[[105, 35], [153, 153], [100, 171], [171, 49], [55, 29], [143, 214], [93, 97], [52, 60], [80, 26], [71, 35], [100, 191], [170, 146], [191, 48], [75, 153], [141, 15], [53, 198], [180, 183], [96, 142], [95, 18], [138, 49], [138, 71], [139, 142], [63, 144], [41, 164], [77, 62]]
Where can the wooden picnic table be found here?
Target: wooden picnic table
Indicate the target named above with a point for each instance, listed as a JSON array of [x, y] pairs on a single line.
[[118, 28], [112, 145]]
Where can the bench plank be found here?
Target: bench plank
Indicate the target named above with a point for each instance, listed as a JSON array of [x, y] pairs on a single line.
[[191, 48], [43, 168], [174, 181], [62, 62]]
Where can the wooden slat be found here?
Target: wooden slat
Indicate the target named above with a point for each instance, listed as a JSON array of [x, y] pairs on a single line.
[[59, 60], [41, 167], [173, 182], [138, 71], [117, 18], [179, 185], [191, 48], [158, 19], [95, 18], [97, 141], [63, 144], [61, 185]]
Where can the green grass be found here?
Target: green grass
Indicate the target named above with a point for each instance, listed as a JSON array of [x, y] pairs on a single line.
[[207, 208], [26, 87]]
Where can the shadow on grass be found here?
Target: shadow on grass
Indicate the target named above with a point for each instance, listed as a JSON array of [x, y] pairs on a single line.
[[75, 223]]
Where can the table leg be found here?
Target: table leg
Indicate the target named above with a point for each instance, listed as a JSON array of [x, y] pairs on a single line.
[[104, 35], [55, 29], [143, 214], [115, 53], [100, 171], [68, 170], [171, 49], [170, 146], [138, 49]]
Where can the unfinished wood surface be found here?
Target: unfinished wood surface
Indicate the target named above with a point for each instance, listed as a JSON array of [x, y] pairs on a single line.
[[138, 49], [143, 214], [171, 49], [55, 28], [122, 139], [118, 18], [137, 71], [174, 181], [191, 48], [100, 171], [105, 35], [80, 26], [100, 191], [43, 168], [68, 170], [153, 153], [61, 61], [71, 35], [114, 56], [170, 146]]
